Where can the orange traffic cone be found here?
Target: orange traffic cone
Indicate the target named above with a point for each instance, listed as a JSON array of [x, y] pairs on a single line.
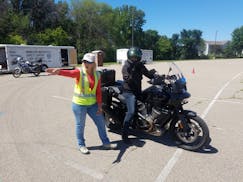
[[193, 71]]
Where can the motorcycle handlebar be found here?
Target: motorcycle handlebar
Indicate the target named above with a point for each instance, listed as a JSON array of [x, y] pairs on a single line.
[[157, 80], [160, 79]]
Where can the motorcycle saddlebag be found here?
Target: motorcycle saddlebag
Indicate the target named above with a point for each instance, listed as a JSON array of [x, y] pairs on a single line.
[[108, 77]]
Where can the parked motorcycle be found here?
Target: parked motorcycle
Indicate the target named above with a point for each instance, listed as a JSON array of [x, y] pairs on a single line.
[[24, 66], [161, 108]]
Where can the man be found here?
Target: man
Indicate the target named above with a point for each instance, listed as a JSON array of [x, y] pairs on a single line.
[[132, 72]]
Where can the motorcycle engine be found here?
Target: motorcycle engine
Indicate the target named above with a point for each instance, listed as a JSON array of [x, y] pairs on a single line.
[[155, 119]]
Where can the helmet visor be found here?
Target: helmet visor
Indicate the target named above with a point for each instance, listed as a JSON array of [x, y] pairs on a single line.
[[134, 58]]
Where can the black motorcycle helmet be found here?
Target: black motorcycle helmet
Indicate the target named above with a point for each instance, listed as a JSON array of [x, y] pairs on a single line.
[[134, 54]]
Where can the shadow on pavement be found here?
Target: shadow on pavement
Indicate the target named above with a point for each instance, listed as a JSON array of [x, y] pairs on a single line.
[[122, 147], [165, 139], [136, 139]]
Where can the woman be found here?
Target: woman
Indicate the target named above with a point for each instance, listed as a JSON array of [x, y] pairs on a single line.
[[86, 99]]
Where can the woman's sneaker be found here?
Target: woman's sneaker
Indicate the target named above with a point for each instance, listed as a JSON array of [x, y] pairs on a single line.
[[84, 150]]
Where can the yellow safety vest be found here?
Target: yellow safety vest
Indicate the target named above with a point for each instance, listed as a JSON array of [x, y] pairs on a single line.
[[83, 94]]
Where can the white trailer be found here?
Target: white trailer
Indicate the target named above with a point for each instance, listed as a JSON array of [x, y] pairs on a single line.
[[121, 56], [51, 56]]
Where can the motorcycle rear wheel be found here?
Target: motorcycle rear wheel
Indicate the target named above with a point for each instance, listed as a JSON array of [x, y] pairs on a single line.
[[37, 71], [111, 123], [195, 137], [16, 72]]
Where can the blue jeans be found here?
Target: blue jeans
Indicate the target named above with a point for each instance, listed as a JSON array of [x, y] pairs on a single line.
[[80, 112], [130, 103]]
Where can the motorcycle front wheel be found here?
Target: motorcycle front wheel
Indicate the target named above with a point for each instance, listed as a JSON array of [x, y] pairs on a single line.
[[16, 72], [194, 137]]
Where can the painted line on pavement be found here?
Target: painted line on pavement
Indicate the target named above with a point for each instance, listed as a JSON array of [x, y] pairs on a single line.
[[62, 98], [217, 95], [85, 170], [80, 167], [171, 163], [231, 102], [219, 100]]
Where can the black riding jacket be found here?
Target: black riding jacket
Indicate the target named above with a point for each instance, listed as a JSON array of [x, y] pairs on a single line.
[[133, 74]]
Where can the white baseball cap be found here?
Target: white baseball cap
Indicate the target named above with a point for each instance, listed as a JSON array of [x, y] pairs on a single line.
[[90, 57]]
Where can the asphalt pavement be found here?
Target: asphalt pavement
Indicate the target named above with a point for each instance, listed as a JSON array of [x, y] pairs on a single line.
[[38, 143]]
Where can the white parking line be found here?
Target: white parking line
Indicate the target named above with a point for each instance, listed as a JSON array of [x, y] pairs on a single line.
[[169, 166], [217, 95], [62, 98], [218, 100], [83, 169], [80, 167]]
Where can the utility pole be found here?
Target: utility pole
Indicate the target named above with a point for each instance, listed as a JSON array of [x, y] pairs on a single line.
[[132, 29]]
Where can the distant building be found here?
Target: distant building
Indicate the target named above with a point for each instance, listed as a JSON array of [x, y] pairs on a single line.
[[215, 47]]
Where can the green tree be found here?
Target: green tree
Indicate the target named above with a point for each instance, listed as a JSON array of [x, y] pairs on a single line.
[[16, 5], [237, 41], [94, 22], [64, 18], [19, 24], [5, 20], [42, 14], [191, 44], [149, 39], [127, 27], [228, 52], [90, 25], [56, 37], [16, 39], [165, 48], [176, 47], [12, 24]]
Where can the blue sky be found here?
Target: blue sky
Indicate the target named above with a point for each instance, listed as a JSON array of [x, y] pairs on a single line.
[[217, 19]]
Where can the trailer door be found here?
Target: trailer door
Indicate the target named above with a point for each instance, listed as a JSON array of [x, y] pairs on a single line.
[[3, 59], [73, 57], [64, 55]]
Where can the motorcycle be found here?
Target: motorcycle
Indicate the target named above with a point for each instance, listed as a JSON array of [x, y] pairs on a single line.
[[24, 66], [161, 108]]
